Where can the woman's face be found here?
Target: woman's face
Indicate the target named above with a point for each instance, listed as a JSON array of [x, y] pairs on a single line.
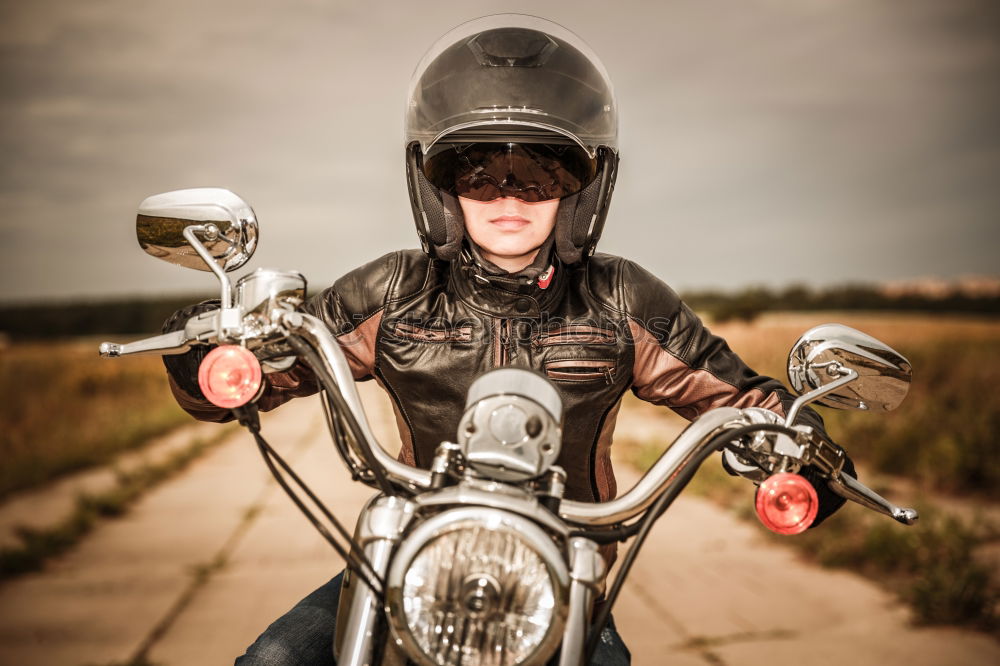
[[509, 231]]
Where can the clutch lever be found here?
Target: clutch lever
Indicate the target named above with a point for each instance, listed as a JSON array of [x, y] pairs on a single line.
[[201, 328], [176, 342]]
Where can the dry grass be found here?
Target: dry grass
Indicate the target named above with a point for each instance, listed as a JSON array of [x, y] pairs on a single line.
[[37, 546], [944, 435], [64, 408], [943, 438]]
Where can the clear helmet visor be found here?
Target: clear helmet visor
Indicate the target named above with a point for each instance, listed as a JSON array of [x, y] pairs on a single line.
[[511, 77]]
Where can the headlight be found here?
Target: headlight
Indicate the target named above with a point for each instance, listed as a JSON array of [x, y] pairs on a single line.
[[478, 587]]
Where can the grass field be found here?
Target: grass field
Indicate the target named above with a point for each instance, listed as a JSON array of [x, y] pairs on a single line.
[[64, 408], [944, 435], [942, 440]]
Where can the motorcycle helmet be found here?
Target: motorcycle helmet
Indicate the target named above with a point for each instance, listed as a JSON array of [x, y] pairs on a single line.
[[511, 105]]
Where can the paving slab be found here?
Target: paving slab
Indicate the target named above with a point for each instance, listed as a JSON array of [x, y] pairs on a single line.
[[281, 558], [47, 506], [99, 603], [708, 587]]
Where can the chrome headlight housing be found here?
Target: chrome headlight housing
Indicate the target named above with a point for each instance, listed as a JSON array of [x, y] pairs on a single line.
[[476, 586], [511, 426]]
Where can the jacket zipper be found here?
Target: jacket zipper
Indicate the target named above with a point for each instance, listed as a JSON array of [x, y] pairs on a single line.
[[500, 343], [506, 351], [581, 370]]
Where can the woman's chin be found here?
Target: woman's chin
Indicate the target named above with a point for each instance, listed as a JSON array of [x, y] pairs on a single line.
[[510, 260]]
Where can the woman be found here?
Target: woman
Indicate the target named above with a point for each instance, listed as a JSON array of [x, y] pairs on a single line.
[[511, 150]]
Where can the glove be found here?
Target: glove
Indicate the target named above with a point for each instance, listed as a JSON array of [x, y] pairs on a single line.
[[829, 501], [183, 368]]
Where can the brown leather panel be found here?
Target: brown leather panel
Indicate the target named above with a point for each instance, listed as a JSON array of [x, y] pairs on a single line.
[[661, 378], [757, 398], [406, 437], [359, 346], [604, 473], [607, 487], [497, 345]]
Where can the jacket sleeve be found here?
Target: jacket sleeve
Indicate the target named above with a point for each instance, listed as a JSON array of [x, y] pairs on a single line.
[[352, 309], [679, 363]]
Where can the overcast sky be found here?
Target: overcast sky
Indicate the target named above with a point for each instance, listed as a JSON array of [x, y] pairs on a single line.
[[763, 141]]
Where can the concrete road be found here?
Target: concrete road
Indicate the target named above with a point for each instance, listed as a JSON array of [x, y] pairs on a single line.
[[201, 565]]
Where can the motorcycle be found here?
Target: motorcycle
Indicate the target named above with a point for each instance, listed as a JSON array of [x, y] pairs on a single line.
[[480, 559]]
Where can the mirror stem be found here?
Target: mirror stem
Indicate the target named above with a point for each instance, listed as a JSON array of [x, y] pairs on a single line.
[[847, 376], [211, 232]]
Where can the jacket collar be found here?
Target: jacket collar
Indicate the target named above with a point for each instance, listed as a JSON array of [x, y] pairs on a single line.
[[501, 294]]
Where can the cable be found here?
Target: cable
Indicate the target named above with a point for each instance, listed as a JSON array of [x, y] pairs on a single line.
[[358, 473], [643, 526], [355, 557], [330, 385]]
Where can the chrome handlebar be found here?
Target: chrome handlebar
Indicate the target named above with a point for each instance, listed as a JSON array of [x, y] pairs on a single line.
[[317, 334], [212, 326], [656, 481]]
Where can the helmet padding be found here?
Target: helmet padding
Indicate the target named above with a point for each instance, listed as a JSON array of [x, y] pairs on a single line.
[[579, 220]]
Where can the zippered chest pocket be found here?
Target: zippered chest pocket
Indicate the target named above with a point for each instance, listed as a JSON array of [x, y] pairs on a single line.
[[581, 370]]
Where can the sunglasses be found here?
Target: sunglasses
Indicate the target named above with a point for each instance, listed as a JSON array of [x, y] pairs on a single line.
[[531, 172]]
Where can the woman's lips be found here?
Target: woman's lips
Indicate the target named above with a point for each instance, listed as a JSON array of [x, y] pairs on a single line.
[[510, 222]]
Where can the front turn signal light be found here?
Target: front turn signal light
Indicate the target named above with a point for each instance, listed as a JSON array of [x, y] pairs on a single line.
[[230, 376], [787, 503]]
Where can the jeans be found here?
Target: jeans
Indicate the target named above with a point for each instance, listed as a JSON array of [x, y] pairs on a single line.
[[304, 635]]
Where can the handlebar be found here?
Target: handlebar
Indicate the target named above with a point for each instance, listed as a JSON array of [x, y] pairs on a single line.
[[654, 482], [315, 332], [205, 328]]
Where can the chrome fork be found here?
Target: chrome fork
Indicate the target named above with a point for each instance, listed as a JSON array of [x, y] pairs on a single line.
[[379, 530], [587, 578]]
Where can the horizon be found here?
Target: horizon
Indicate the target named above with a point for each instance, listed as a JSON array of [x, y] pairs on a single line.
[[928, 287]]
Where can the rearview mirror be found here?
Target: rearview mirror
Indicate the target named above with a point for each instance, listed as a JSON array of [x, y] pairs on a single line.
[[163, 218], [823, 353]]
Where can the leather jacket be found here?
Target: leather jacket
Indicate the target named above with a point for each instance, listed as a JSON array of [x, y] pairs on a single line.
[[425, 328]]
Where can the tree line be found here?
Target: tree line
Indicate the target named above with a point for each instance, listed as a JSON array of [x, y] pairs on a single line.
[[748, 303], [137, 316]]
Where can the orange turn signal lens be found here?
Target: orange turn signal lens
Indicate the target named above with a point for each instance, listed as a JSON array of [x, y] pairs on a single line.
[[230, 376], [787, 504]]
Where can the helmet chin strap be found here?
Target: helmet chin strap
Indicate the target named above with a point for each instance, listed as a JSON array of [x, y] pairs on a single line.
[[484, 271]]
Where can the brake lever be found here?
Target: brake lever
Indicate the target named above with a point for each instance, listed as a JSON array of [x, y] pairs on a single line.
[[850, 488]]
